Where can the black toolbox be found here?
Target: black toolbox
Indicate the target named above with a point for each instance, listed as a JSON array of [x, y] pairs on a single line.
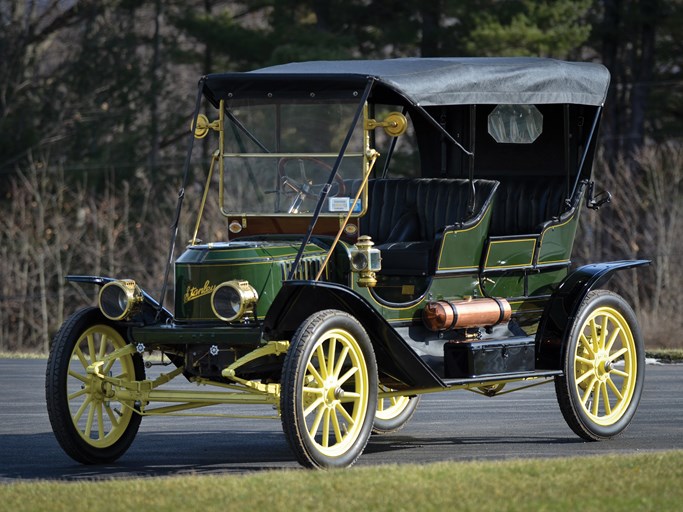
[[487, 358]]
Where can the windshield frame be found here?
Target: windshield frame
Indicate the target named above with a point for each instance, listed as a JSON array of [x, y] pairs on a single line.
[[227, 119]]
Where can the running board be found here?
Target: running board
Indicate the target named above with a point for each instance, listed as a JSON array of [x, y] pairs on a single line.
[[502, 377]]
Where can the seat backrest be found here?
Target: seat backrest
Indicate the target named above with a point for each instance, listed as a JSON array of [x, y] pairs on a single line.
[[428, 204], [523, 204]]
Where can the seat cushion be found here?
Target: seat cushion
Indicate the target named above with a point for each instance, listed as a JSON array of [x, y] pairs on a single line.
[[406, 258]]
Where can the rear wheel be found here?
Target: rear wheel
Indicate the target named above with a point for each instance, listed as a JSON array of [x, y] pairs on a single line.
[[89, 424], [604, 366], [394, 413], [329, 390]]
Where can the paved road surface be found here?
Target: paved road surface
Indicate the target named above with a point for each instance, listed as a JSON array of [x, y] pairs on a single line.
[[448, 426]]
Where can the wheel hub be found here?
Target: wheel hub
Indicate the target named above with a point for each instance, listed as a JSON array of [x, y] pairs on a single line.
[[602, 366], [332, 393]]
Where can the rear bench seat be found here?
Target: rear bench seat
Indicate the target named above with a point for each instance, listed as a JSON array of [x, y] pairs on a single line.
[[406, 218], [527, 204]]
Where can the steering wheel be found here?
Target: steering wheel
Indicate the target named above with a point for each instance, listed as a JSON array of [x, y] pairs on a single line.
[[304, 187]]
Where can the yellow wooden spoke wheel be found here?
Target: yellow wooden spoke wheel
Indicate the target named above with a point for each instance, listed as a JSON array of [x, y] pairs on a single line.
[[89, 423], [394, 412], [604, 368], [329, 390]]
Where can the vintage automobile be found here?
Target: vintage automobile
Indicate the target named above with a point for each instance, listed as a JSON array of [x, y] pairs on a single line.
[[391, 228]]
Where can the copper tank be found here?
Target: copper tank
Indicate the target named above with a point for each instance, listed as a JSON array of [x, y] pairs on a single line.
[[444, 315]]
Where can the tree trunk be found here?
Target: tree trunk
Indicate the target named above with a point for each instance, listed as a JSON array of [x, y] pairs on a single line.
[[610, 46], [643, 70], [430, 12], [155, 133]]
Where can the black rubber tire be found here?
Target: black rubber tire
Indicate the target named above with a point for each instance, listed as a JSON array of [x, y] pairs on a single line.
[[396, 423], [601, 423], [71, 440], [308, 451]]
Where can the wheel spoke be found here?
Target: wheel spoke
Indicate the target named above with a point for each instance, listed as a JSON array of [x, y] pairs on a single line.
[[349, 419], [613, 338], [314, 391], [347, 375], [584, 360], [596, 400], [81, 357], [112, 417], [78, 393], [603, 331], [88, 423], [81, 409], [107, 367], [316, 403], [103, 348], [91, 348], [350, 396], [380, 405], [605, 399], [620, 373], [78, 376], [584, 376], [340, 361], [326, 428], [615, 389], [100, 422], [321, 362], [594, 335], [589, 391], [330, 355], [314, 373], [336, 427], [316, 422], [584, 341], [617, 354]]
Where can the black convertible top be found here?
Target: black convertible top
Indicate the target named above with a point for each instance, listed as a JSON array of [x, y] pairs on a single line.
[[428, 81]]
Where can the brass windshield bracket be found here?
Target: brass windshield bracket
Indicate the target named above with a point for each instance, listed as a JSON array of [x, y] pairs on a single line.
[[394, 124], [203, 126]]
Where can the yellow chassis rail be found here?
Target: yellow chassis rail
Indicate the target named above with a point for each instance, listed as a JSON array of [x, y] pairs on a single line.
[[245, 392], [146, 391]]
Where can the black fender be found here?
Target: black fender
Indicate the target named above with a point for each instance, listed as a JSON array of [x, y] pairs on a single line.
[[152, 312], [297, 300], [564, 304]]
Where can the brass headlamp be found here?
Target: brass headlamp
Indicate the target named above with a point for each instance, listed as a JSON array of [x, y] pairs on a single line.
[[120, 300], [234, 299]]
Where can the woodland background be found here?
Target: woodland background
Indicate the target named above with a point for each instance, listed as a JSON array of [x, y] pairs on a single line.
[[96, 96]]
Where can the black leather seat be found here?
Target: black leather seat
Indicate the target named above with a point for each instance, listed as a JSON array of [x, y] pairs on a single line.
[[525, 205], [407, 217]]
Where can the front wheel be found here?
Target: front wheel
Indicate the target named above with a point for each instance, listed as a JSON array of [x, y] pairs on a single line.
[[90, 425], [329, 390], [604, 365]]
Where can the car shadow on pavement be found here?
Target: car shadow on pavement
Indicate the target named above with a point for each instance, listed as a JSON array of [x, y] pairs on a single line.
[[38, 456]]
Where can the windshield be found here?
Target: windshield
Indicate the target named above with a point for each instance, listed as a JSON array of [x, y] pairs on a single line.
[[278, 155]]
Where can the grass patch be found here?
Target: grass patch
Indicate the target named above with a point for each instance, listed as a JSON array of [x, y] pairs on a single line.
[[666, 355], [630, 482], [22, 355]]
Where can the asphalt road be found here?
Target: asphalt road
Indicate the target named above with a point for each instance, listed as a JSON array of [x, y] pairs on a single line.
[[448, 426]]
